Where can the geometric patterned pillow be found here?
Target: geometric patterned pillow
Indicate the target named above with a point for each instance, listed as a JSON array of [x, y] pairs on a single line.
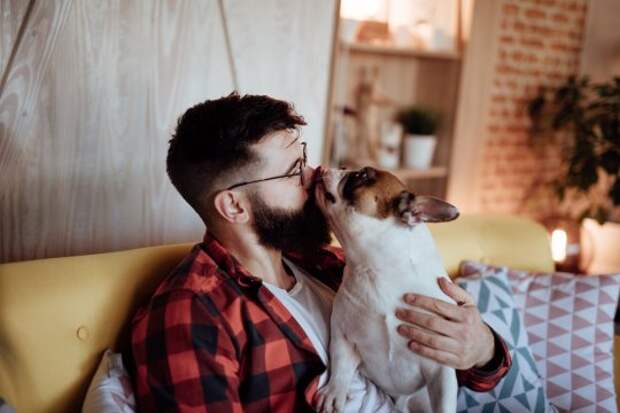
[[521, 390], [569, 320], [110, 390]]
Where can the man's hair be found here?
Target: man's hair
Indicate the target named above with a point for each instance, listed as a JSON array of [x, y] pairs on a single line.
[[212, 141]]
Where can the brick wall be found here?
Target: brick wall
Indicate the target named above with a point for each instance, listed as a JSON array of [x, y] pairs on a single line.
[[539, 44]]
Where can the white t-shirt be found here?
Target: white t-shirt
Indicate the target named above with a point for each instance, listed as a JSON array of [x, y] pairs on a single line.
[[310, 303]]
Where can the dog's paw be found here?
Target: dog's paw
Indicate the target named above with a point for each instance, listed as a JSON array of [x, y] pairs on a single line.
[[331, 399]]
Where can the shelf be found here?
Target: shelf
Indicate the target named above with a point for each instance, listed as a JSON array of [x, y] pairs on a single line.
[[403, 173], [399, 51], [433, 172]]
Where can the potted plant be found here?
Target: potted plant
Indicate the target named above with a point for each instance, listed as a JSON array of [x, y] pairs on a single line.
[[584, 119], [587, 117], [420, 123]]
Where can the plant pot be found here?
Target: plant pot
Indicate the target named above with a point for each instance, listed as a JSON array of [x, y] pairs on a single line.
[[600, 246], [418, 151]]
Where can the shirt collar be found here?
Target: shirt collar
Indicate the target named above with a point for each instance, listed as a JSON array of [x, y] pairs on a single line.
[[228, 263], [328, 259]]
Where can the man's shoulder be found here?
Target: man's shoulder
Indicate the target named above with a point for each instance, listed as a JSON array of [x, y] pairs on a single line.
[[196, 277], [198, 272]]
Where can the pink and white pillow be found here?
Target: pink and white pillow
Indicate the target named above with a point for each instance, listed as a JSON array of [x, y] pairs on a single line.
[[569, 321], [110, 390]]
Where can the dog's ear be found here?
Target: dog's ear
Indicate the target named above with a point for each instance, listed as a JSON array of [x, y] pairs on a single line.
[[412, 209]]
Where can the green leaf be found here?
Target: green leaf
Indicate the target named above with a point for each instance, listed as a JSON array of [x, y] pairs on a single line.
[[589, 176], [610, 161], [419, 120], [535, 107], [588, 116], [566, 114], [603, 90], [584, 214], [601, 215], [560, 191], [582, 173], [614, 191]]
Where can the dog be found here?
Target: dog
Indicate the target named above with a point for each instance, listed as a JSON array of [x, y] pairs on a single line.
[[389, 251]]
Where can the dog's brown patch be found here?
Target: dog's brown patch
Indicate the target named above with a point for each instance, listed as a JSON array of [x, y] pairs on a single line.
[[376, 197]]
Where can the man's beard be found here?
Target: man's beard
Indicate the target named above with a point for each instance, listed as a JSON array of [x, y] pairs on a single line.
[[305, 230]]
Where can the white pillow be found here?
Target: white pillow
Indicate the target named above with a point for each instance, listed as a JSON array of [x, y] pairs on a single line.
[[4, 407], [110, 391]]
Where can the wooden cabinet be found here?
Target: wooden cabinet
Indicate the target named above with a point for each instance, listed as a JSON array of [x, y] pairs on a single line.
[[406, 76]]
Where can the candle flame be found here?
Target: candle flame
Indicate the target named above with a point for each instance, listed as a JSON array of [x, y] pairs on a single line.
[[558, 245]]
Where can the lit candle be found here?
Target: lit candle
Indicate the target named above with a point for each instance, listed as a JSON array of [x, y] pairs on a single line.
[[558, 245]]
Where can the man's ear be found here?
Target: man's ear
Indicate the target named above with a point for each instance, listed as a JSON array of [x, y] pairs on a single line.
[[412, 209], [231, 207]]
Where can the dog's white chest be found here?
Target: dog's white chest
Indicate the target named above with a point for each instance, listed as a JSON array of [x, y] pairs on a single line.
[[366, 303]]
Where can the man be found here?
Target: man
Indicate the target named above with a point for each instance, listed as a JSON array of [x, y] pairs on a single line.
[[241, 323]]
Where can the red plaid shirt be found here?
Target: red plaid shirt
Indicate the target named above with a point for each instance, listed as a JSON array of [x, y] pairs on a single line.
[[212, 340]]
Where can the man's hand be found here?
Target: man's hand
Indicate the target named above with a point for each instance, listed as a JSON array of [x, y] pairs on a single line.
[[454, 335]]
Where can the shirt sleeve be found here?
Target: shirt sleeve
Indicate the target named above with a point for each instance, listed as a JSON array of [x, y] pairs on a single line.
[[485, 378], [187, 360]]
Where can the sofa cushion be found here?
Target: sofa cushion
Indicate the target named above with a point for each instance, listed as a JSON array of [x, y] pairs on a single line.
[[569, 321], [58, 315], [521, 390]]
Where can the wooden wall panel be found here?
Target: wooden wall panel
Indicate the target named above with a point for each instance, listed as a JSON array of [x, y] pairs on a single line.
[[12, 13], [92, 97], [283, 48]]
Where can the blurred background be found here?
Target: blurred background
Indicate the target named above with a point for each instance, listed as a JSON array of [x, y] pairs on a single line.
[[499, 106]]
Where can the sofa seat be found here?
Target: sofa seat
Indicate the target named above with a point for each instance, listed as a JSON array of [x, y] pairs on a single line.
[[58, 315]]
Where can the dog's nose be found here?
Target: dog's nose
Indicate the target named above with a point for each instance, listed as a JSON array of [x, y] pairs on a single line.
[[318, 173]]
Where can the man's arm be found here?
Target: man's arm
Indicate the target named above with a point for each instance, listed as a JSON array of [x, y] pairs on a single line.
[[485, 378], [455, 335], [185, 357]]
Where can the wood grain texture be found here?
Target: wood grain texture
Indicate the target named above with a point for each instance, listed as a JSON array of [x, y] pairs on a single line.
[[284, 48], [12, 13], [93, 96]]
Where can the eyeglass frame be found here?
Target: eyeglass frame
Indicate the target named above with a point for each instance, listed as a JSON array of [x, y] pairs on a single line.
[[300, 172]]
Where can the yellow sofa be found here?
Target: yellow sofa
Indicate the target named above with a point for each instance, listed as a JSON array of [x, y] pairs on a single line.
[[58, 315]]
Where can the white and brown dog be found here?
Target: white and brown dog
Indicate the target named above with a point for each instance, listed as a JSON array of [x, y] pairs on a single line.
[[389, 251]]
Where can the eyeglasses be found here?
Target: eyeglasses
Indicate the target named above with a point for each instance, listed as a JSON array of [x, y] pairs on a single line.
[[299, 171]]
